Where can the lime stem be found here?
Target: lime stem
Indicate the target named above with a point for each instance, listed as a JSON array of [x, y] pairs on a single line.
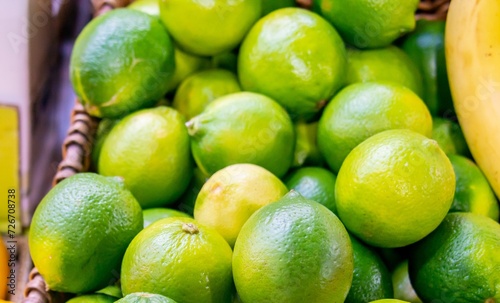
[[190, 228]]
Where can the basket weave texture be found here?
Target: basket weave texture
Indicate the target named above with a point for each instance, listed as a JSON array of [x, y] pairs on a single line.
[[77, 146]]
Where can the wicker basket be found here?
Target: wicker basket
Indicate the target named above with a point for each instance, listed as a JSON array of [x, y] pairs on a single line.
[[77, 146]]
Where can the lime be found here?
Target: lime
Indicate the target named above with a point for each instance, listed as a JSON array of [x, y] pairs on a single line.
[[242, 128], [403, 289], [425, 46], [367, 23], [389, 64], [394, 188], [93, 298], [295, 57], [185, 65], [314, 183], [389, 301], [121, 62], [473, 192], [209, 28], [364, 109], [458, 260], [449, 136], [150, 7], [306, 146], [371, 280], [188, 199], [272, 5], [111, 290], [103, 130], [233, 194], [201, 88], [294, 250], [150, 150], [154, 214], [143, 297], [80, 231], [180, 259]]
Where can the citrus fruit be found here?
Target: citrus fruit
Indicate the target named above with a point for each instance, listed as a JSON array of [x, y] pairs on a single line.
[[425, 46], [111, 290], [188, 199], [201, 88], [233, 194], [389, 64], [364, 109], [154, 214], [150, 7], [367, 23], [209, 28], [403, 289], [80, 231], [105, 126], [150, 150], [306, 146], [314, 183], [371, 279], [449, 136], [295, 251], [121, 62], [272, 5], [180, 259], [459, 261], [389, 301], [295, 57], [4, 270], [185, 65], [242, 128], [473, 192], [394, 188], [93, 298], [142, 297]]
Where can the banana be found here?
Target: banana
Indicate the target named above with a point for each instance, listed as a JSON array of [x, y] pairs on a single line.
[[472, 46]]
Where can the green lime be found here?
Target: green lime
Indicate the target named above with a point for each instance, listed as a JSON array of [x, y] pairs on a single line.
[[188, 199], [364, 109], [242, 128], [233, 194], [371, 280], [425, 46], [368, 23], [180, 259], [295, 57], [111, 290], [80, 231], [389, 64], [394, 188], [389, 301], [293, 250], [201, 88], [185, 65], [150, 150], [314, 183], [458, 260], [449, 136], [102, 133], [473, 192], [151, 7], [121, 62], [152, 215], [208, 28], [93, 298], [403, 289], [272, 5], [143, 297], [306, 146]]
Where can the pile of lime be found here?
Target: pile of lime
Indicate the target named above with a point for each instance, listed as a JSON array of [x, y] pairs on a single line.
[[254, 151]]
